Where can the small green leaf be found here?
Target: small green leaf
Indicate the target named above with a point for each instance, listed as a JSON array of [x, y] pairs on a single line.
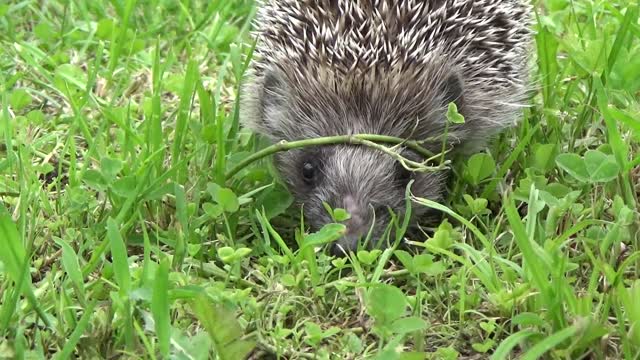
[[288, 280], [339, 263], [193, 249], [125, 187], [69, 79], [386, 303], [20, 99], [341, 215], [485, 346], [328, 208], [223, 328], [275, 201], [368, 257], [226, 254], [392, 350], [315, 334], [479, 167], [595, 167], [105, 29], [544, 157], [36, 117], [422, 261], [408, 324], [94, 179], [453, 115], [354, 343], [447, 353], [45, 32], [477, 206], [328, 233], [574, 165], [312, 329], [601, 167], [228, 200], [444, 236], [242, 252], [212, 210], [110, 168], [406, 259], [434, 269], [488, 326], [229, 255]]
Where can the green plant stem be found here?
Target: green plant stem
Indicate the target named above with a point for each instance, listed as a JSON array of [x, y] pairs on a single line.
[[359, 139]]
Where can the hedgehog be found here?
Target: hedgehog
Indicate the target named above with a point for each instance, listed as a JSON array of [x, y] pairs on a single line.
[[387, 67]]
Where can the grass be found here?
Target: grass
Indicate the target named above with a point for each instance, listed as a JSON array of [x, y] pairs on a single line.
[[121, 236]]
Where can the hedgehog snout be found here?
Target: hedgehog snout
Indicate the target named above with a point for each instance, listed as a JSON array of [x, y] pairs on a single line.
[[357, 226], [360, 218]]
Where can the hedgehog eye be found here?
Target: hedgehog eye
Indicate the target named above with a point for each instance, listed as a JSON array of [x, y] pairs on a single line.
[[308, 172]]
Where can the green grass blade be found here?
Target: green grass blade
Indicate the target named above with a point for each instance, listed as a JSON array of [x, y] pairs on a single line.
[[160, 307], [181, 215], [267, 228], [618, 145], [72, 266], [120, 37], [119, 254], [550, 343], [74, 338], [223, 328], [14, 253], [123, 277], [15, 259], [504, 349], [221, 151], [547, 47], [537, 270], [508, 163], [188, 90], [630, 19]]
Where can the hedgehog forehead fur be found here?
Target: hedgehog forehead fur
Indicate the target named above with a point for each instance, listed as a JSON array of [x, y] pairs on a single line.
[[381, 60], [488, 36], [336, 67]]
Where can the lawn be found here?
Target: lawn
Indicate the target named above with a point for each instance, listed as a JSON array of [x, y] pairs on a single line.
[[132, 227]]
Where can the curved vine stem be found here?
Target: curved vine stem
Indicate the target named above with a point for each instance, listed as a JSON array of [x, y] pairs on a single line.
[[359, 139]]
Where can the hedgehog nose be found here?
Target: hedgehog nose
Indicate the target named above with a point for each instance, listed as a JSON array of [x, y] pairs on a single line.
[[358, 221]]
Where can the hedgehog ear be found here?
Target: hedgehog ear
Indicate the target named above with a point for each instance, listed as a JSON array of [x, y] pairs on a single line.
[[453, 90], [274, 93]]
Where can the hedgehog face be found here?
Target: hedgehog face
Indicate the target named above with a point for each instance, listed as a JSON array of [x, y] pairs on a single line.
[[365, 182]]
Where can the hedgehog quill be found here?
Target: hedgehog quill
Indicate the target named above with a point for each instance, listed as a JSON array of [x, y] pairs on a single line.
[[387, 67]]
